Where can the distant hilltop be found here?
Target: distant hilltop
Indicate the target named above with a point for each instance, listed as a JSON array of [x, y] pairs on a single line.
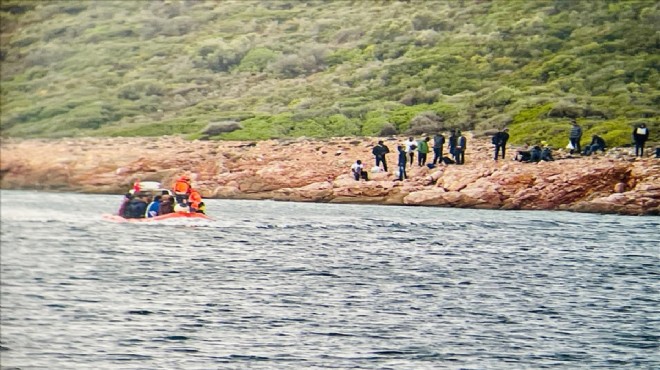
[[311, 170]]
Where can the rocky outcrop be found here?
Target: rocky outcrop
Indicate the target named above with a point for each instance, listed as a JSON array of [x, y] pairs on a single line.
[[318, 171]]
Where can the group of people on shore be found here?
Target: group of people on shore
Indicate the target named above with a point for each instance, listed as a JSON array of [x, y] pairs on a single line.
[[138, 203], [640, 136], [456, 145]]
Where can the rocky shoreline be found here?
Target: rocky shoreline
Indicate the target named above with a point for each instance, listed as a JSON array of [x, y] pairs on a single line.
[[310, 170]]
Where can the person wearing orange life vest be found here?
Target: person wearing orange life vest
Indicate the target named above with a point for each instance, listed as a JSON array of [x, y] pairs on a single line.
[[182, 189], [194, 200]]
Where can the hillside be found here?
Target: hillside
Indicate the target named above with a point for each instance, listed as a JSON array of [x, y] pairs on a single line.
[[275, 69]]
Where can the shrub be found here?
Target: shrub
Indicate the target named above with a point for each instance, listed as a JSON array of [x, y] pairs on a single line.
[[419, 96], [257, 59], [388, 129], [217, 128], [426, 122], [566, 109]]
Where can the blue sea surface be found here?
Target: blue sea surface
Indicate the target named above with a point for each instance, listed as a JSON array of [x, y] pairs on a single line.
[[277, 285]]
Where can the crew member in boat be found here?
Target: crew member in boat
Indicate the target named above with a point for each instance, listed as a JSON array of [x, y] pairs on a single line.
[[194, 200], [182, 189]]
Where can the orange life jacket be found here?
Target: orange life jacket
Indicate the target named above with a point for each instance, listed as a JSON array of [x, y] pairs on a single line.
[[194, 199]]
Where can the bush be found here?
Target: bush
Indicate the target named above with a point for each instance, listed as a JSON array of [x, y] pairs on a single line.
[[419, 96], [217, 128], [388, 129], [257, 59], [426, 122], [564, 109]]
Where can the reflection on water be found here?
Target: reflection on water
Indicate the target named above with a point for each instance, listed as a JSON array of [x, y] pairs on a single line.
[[293, 285]]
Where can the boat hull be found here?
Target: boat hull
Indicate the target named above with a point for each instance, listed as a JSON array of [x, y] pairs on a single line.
[[117, 218]]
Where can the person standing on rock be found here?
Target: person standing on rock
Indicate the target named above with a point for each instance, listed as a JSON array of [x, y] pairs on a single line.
[[438, 142], [500, 139], [422, 151], [410, 149], [452, 143], [461, 143], [403, 160], [640, 135], [379, 151], [575, 136]]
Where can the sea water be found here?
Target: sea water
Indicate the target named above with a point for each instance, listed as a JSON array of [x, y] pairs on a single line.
[[277, 285]]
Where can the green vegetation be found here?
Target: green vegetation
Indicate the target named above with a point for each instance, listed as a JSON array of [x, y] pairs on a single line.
[[321, 68]]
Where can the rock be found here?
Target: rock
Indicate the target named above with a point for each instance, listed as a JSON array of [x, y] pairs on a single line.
[[619, 187], [311, 170]]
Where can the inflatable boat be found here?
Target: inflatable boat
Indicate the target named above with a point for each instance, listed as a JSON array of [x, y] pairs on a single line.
[[117, 218], [148, 190]]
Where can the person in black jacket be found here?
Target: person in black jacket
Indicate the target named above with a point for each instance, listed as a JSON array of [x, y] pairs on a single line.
[[597, 143], [379, 152], [459, 150], [136, 208], [640, 135], [124, 204], [451, 144], [499, 140], [438, 142], [403, 160]]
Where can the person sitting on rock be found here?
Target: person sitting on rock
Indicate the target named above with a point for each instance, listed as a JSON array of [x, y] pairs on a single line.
[[535, 154], [358, 171], [546, 154], [597, 143], [523, 154]]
